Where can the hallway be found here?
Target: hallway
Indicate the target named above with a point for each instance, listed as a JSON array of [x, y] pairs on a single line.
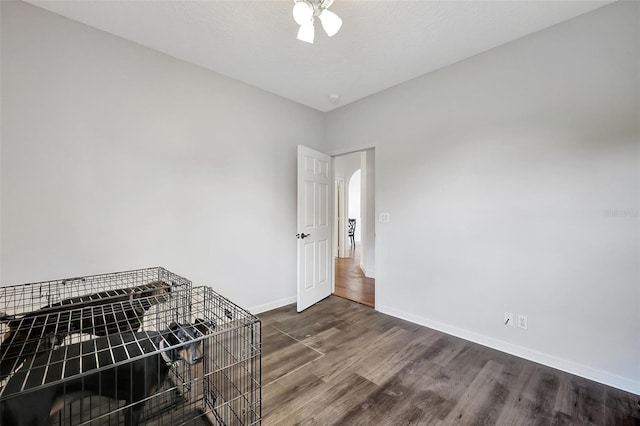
[[350, 281]]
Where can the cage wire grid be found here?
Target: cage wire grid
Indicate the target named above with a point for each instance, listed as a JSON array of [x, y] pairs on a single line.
[[23, 298], [94, 340]]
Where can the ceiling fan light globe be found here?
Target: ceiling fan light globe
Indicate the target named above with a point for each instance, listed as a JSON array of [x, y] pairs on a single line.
[[330, 22], [302, 12], [306, 32]]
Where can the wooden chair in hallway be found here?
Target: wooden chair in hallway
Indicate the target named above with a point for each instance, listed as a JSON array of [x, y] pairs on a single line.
[[352, 232]]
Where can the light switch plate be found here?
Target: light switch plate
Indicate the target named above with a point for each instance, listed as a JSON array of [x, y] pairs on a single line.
[[508, 318]]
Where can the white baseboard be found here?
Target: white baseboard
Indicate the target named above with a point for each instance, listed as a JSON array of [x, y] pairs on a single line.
[[577, 369], [363, 269], [272, 305]]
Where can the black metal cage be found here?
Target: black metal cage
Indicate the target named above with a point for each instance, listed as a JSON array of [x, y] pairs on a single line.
[[24, 298], [136, 347]]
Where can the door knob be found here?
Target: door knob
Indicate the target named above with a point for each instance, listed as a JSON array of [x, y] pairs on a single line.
[[302, 236]]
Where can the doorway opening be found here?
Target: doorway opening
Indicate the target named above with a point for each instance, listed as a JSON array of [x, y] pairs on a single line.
[[355, 205]]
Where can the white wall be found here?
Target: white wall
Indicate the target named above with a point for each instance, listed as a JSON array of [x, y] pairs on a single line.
[[355, 198], [367, 226], [116, 157], [500, 174]]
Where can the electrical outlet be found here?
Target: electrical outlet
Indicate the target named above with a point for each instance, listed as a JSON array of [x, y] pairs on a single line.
[[522, 321], [384, 217], [508, 318]]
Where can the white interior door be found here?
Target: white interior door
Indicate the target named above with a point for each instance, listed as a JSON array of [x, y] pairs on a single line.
[[315, 262]]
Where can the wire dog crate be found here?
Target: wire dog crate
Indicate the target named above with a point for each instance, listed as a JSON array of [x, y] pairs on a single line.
[[132, 351], [24, 298]]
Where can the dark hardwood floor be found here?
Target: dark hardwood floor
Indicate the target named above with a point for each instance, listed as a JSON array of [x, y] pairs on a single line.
[[343, 363], [351, 282]]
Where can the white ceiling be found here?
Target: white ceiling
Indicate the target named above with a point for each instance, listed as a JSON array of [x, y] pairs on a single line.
[[382, 43]]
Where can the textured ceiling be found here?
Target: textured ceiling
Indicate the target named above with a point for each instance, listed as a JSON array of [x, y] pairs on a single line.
[[381, 43]]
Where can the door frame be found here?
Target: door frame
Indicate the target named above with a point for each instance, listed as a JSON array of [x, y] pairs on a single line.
[[351, 150]]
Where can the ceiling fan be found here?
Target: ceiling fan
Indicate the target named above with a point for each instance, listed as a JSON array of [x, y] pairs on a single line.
[[305, 12]]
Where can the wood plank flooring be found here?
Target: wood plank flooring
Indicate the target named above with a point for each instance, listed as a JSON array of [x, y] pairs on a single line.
[[351, 282], [361, 367]]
